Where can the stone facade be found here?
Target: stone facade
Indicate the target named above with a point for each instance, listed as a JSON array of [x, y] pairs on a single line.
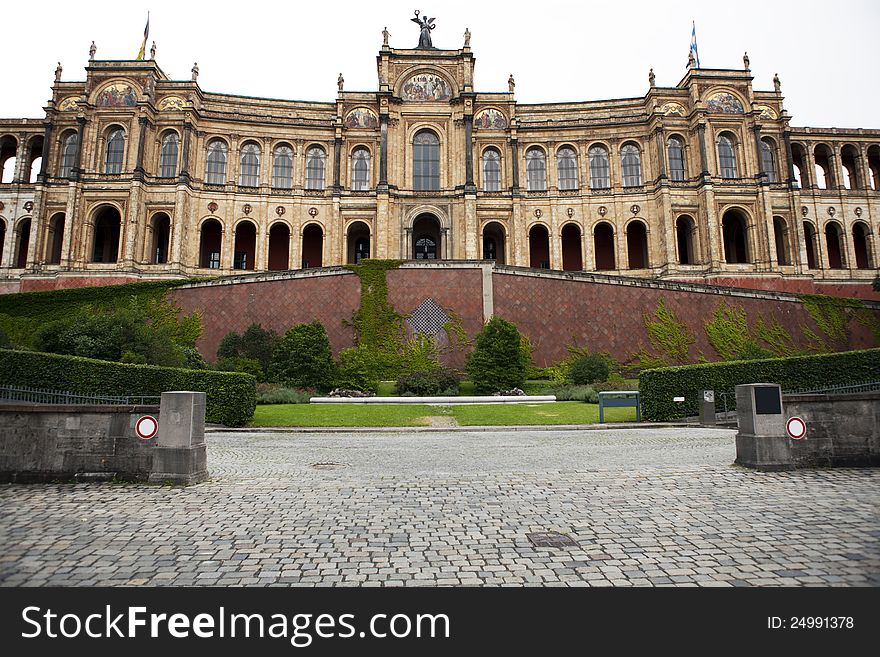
[[146, 177]]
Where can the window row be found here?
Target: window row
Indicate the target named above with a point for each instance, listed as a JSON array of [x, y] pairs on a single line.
[[852, 173]]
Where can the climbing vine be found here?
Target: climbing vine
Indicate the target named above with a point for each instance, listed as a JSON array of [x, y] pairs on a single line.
[[831, 313], [670, 339]]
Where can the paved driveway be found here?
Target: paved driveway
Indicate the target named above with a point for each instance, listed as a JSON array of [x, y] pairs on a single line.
[[645, 507]]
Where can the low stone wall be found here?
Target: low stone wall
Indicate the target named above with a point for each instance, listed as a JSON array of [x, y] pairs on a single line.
[[842, 430], [77, 442]]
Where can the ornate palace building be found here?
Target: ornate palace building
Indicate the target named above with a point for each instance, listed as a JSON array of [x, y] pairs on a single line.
[[132, 175]]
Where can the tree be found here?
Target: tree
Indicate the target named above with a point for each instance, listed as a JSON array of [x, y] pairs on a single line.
[[302, 358], [499, 361], [255, 343]]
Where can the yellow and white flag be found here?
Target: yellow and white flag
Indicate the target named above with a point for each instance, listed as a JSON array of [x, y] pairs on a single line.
[[146, 34]]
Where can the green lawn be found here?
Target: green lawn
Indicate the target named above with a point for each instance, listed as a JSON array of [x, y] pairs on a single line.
[[399, 415]]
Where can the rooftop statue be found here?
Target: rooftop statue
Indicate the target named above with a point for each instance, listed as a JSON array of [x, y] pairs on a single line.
[[427, 24]]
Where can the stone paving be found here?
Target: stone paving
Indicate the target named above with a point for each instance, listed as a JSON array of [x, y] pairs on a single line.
[[647, 507]]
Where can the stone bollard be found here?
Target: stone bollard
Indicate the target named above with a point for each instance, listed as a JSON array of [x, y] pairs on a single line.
[[707, 407], [180, 455], [761, 442]]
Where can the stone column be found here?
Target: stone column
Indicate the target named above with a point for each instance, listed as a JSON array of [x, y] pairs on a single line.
[[469, 186], [184, 177], [180, 455], [383, 153], [762, 177], [47, 139], [514, 147], [789, 157], [76, 174], [142, 135], [704, 160], [337, 155]]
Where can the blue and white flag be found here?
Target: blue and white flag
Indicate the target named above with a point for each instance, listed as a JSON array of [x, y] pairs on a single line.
[[694, 50]]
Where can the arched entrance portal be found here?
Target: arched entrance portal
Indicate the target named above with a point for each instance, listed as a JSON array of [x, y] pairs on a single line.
[[571, 248], [493, 242], [539, 247], [358, 242], [735, 231], [105, 247], [279, 247], [426, 238], [312, 246], [55, 238]]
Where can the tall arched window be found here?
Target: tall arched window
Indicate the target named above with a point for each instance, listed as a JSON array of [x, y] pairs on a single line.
[[491, 170], [282, 167], [250, 165], [315, 162], [599, 178], [215, 173], [726, 156], [426, 161], [360, 169], [675, 151], [168, 157], [68, 155], [768, 160], [115, 151], [631, 159], [566, 168], [536, 170]]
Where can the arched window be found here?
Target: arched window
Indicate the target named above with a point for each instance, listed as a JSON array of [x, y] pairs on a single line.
[[315, 161], [216, 168], [426, 161], [675, 151], [68, 155], [768, 160], [536, 170], [360, 169], [491, 170], [631, 159], [566, 168], [250, 165], [599, 178], [115, 151], [282, 167], [168, 157], [726, 156]]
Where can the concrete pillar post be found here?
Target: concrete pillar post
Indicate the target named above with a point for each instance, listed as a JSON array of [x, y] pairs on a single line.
[[180, 455]]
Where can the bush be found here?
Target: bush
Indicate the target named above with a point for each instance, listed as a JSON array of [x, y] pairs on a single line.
[[244, 365], [255, 343], [356, 370], [4, 340], [428, 383], [302, 358], [588, 369], [269, 394], [573, 393], [231, 397], [499, 361], [659, 386]]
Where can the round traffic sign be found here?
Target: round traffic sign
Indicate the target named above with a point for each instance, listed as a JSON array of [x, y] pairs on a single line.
[[146, 427], [796, 428]]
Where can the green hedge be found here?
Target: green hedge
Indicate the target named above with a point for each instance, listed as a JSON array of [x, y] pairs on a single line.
[[659, 386], [232, 397]]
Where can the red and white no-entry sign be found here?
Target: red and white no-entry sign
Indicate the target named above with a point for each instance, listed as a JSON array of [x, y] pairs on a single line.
[[796, 428], [146, 427]]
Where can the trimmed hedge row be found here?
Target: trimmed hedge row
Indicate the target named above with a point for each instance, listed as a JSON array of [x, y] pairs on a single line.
[[659, 386], [231, 397]]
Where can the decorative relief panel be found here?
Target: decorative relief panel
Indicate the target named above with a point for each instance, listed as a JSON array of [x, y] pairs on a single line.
[[767, 112], [172, 103], [69, 104], [724, 103], [118, 94], [426, 87], [490, 119], [362, 117], [673, 109]]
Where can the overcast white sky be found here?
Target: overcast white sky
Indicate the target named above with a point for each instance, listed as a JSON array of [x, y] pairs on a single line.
[[825, 54]]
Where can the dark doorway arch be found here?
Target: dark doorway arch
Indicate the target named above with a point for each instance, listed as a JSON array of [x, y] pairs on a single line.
[[684, 233], [426, 238], [23, 237], [572, 260], [603, 246], [210, 244], [358, 242], [810, 244], [860, 233], [493, 242], [539, 247], [161, 225], [279, 247], [637, 245], [245, 250], [734, 227], [780, 236], [105, 243], [834, 244], [55, 238], [312, 246]]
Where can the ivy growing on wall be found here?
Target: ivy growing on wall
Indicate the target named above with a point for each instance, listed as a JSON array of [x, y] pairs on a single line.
[[669, 337]]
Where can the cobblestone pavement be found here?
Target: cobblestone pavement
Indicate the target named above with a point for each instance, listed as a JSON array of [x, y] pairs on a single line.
[[646, 507]]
